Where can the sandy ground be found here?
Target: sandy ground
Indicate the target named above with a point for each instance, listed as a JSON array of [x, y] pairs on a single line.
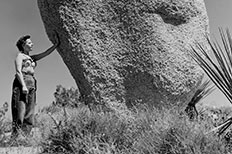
[[20, 150]]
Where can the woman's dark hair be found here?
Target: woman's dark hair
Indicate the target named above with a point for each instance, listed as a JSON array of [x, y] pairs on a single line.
[[22, 41]]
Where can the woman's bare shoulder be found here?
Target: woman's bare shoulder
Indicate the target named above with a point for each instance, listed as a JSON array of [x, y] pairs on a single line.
[[22, 56]]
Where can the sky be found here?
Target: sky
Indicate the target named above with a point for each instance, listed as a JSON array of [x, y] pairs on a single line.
[[20, 17]]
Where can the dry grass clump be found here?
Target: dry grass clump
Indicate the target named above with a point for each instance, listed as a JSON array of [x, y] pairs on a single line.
[[143, 132]]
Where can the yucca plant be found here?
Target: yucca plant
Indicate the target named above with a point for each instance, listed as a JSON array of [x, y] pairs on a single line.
[[204, 90], [217, 64]]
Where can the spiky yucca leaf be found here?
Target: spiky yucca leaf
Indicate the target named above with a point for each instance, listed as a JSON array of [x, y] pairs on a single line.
[[204, 90], [218, 65]]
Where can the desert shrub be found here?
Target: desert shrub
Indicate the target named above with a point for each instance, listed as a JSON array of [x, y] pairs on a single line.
[[67, 129], [171, 132], [88, 131], [5, 124], [215, 115], [142, 132], [66, 97]]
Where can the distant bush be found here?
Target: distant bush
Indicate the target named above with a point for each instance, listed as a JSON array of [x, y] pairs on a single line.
[[66, 97], [5, 124]]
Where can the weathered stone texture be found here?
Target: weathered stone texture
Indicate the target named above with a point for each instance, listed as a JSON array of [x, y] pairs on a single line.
[[129, 51]]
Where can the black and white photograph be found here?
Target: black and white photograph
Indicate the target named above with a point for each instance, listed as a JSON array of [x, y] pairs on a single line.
[[116, 77]]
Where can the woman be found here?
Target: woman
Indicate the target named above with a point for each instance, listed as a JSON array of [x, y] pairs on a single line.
[[24, 85]]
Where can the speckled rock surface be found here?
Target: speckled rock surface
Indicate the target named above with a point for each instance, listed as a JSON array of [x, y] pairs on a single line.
[[125, 52]]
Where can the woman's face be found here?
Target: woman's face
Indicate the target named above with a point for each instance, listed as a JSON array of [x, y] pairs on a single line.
[[28, 45]]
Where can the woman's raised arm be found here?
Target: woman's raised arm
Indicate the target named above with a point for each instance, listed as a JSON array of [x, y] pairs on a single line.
[[48, 51]]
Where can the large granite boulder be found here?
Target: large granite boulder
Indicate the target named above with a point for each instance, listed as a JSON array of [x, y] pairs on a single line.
[[129, 51]]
